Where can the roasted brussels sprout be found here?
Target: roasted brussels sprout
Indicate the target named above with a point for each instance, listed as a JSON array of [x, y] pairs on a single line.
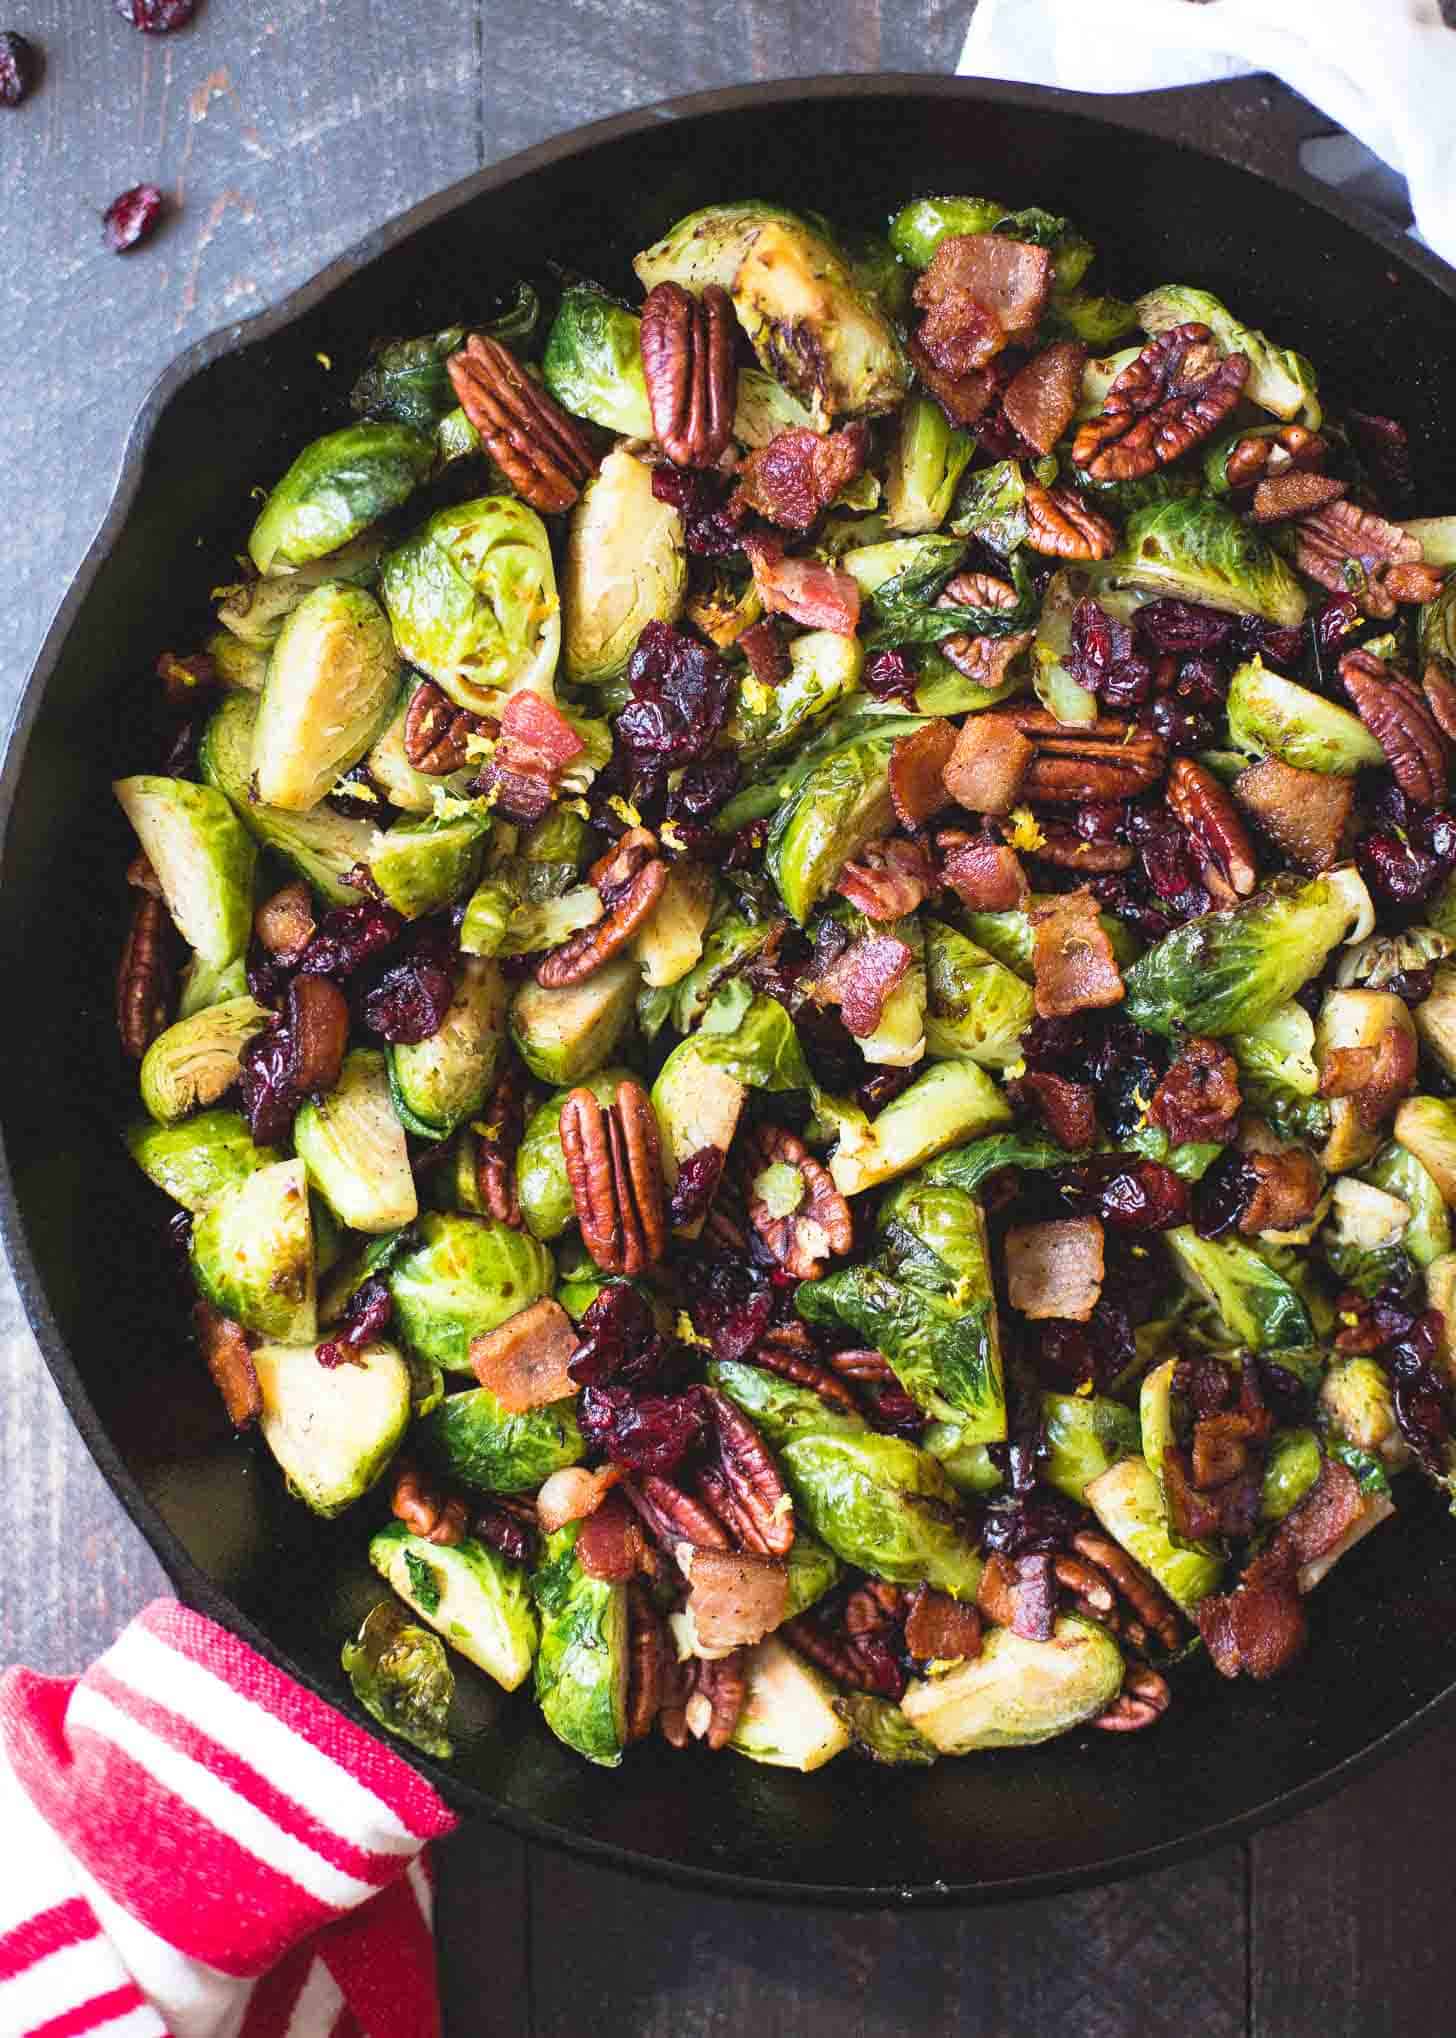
[[843, 803], [336, 488], [333, 1429], [420, 866], [593, 362], [253, 611], [195, 1162], [330, 690], [582, 1666], [436, 1084], [970, 1468], [1435, 1021], [466, 1275], [813, 1569], [977, 1008], [880, 1730], [952, 1102], [1372, 964], [778, 1409], [476, 1598], [1437, 628], [788, 1719], [197, 1060], [1427, 1234], [401, 1677], [1358, 1408], [471, 1438], [884, 1505], [824, 671], [472, 601], [927, 459], [918, 229], [625, 567], [1259, 1307], [1426, 1128], [1128, 1502], [966, 1167], [1018, 1692], [671, 939], [406, 383], [1270, 716], [1279, 380], [353, 1147], [765, 408], [1086, 1435], [1290, 1470], [201, 984], [253, 1255], [1198, 549], [203, 860], [1362, 1238], [565, 1035], [1277, 1072]]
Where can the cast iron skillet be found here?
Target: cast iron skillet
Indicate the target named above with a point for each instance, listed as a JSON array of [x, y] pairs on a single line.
[[85, 1234]]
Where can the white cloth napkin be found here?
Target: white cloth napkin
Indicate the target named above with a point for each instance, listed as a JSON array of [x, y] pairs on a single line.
[[1383, 69]]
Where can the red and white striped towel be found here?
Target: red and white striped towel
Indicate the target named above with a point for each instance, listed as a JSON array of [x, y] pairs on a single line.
[[192, 1846]]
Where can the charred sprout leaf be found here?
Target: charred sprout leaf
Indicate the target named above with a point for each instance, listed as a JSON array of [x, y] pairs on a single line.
[[926, 461], [477, 1599], [991, 506], [333, 1429], [1018, 1692], [335, 489], [582, 1668], [593, 362], [405, 382], [1086, 1435], [1280, 380], [790, 1718], [977, 1009], [1258, 1306], [1270, 716], [883, 1731], [1198, 549], [464, 1277], [401, 1677], [824, 671]]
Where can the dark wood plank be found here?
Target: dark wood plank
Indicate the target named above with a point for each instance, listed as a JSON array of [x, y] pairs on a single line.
[[482, 1923]]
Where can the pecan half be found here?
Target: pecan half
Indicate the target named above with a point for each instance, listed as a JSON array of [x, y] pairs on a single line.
[[719, 1690], [1206, 809], [1071, 764], [646, 1662], [1440, 692], [691, 371], [791, 1360], [752, 1476], [423, 1509], [1132, 1583], [674, 1516], [977, 591], [542, 450], [1395, 713], [1294, 494], [284, 923], [1291, 450], [436, 731], [821, 1225], [1169, 399], [1353, 551], [229, 1359], [1142, 1701], [985, 660], [614, 1164], [592, 948], [853, 1661], [1060, 525], [863, 1363], [145, 977], [1414, 582], [1064, 849], [495, 1152]]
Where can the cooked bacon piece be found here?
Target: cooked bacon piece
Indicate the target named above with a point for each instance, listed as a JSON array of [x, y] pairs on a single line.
[[939, 1629], [1332, 1517], [965, 399], [1067, 1109], [1304, 813], [986, 876], [1199, 1097], [1290, 1183], [1076, 970], [888, 879], [572, 1494], [818, 596], [1376, 1078], [610, 1544], [1041, 399], [798, 473], [766, 652], [523, 1361], [861, 980], [916, 763], [988, 763], [229, 1358], [535, 744], [958, 332], [1034, 1599], [1055, 1269], [1260, 1628], [734, 1596], [1010, 279]]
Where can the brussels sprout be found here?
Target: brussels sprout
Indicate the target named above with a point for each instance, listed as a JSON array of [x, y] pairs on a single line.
[[810, 323], [332, 1429], [1098, 375], [1435, 1021], [698, 1103], [564, 1035], [541, 1184], [400, 1677], [406, 382], [1437, 626], [756, 1043], [203, 984], [323, 847], [421, 866], [1372, 964], [970, 1468], [765, 408], [1018, 1692], [1056, 689], [1358, 1407], [1426, 1128], [884, 1505], [1293, 1465], [470, 1437], [472, 600], [977, 1008], [671, 939], [436, 1084], [991, 507], [625, 567], [353, 1147], [1361, 1240], [196, 1061], [1276, 1056], [237, 664], [252, 1253], [966, 1167], [942, 690], [778, 1409], [254, 611], [1086, 1434], [918, 229], [478, 1600], [330, 689], [1279, 380], [1128, 1502], [196, 1162], [1355, 1019], [582, 1666], [842, 804], [1441, 1296], [813, 1570], [593, 362], [927, 459], [729, 943], [202, 857], [466, 1276], [1271, 716], [517, 909], [1228, 972], [952, 1102], [788, 1718], [1427, 1234], [335, 488], [881, 1731], [899, 566], [1163, 1419], [1436, 537], [1199, 549], [1083, 315], [824, 670], [1257, 1305]]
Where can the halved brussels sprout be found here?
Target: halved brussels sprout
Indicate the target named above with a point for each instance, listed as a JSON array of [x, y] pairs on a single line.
[[593, 362], [237, 664], [1426, 1128], [918, 229], [1293, 1465], [1086, 1435], [824, 670], [471, 1438], [254, 611], [1018, 1692], [950, 1103], [1258, 1306], [927, 459], [541, 1184], [1084, 315], [970, 1468], [202, 984], [582, 1665], [1435, 1021], [353, 1147], [892, 565], [1277, 1066], [333, 1429], [1227, 972], [698, 1103], [727, 946], [252, 1254], [195, 1162], [1371, 964], [977, 1009], [813, 1570], [1098, 376], [788, 1718], [476, 1598], [1428, 1230], [466, 1276], [881, 1731], [472, 600], [436, 1084], [421, 866], [991, 507], [1270, 716], [1358, 1408], [778, 1409], [1437, 626], [884, 1505], [625, 566], [671, 940], [203, 860], [1128, 1502], [1361, 1239], [331, 686], [765, 408], [400, 1677], [1011, 939], [1355, 1019], [322, 847], [564, 1035], [1279, 380], [197, 1060], [335, 488], [843, 803], [1199, 549]]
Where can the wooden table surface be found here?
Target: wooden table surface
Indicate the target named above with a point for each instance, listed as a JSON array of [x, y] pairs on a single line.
[[285, 130]]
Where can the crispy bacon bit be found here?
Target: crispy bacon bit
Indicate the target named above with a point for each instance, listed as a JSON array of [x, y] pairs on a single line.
[[965, 399], [284, 923], [766, 652], [572, 1494], [1287, 1189], [988, 763], [990, 272], [797, 474], [1076, 970], [610, 1545], [1055, 1269], [523, 1362], [1034, 1598], [535, 744], [1331, 1518], [1041, 398], [986, 876], [1067, 1109], [916, 764], [229, 1359], [1375, 1077], [734, 1596], [1199, 1097], [861, 979], [440, 1518], [1304, 813], [939, 1629], [818, 596], [888, 879], [1260, 1628]]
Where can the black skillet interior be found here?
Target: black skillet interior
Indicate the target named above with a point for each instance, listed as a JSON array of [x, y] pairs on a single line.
[[103, 1288]]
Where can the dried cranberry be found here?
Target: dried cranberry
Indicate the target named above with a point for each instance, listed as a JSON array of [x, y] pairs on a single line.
[[1123, 1098], [704, 787], [696, 1185], [1422, 1398], [359, 793], [681, 692], [265, 1081], [1200, 684], [1395, 869], [1276, 643], [1175, 628], [1412, 986], [348, 936], [410, 1000], [1127, 1194], [18, 68], [1042, 1520], [620, 1342], [132, 217], [1337, 618], [493, 1523], [1101, 658], [1182, 726], [711, 521], [368, 1315], [1223, 1194], [652, 1434], [882, 1088], [1099, 820], [890, 676], [892, 1411], [157, 17], [730, 1304], [1166, 856]]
